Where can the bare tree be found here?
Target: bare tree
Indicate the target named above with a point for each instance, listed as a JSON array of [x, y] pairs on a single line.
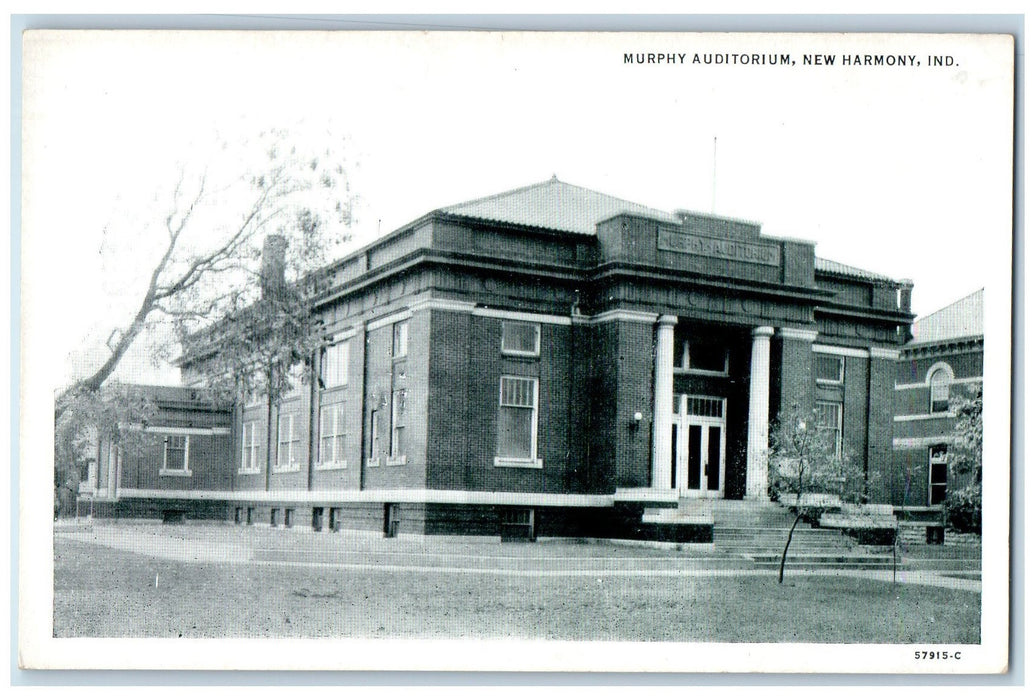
[[208, 264], [804, 460]]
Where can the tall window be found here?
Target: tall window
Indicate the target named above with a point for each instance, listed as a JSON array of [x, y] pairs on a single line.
[[396, 416], [939, 474], [830, 369], [397, 449], [249, 448], [518, 421], [374, 440], [293, 380], [334, 361], [830, 426], [287, 443], [400, 338], [520, 338], [177, 449], [940, 382], [331, 444]]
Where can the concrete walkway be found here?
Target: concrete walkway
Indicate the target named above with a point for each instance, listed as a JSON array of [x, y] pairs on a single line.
[[366, 552]]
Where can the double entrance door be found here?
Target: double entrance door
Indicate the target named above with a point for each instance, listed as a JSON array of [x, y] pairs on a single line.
[[699, 446]]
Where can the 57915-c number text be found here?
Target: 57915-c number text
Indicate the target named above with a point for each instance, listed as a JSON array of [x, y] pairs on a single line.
[[937, 655]]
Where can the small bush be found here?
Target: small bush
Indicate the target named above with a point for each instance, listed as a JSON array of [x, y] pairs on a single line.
[[963, 509]]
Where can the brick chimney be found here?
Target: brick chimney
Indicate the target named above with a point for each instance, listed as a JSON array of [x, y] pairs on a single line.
[[272, 274]]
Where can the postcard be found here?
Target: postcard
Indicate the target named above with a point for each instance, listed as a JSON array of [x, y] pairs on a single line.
[[516, 351]]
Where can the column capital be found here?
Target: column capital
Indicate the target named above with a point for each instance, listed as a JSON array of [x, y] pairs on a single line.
[[667, 320], [762, 332], [807, 334]]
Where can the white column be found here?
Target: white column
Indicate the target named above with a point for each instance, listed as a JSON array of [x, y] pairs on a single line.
[[661, 476], [758, 416]]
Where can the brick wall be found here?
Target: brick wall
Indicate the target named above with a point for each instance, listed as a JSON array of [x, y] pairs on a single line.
[[879, 456], [793, 381], [913, 370], [634, 368], [382, 376], [449, 463], [485, 365], [601, 455], [143, 459]]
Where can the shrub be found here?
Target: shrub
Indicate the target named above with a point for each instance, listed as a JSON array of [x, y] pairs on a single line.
[[963, 509]]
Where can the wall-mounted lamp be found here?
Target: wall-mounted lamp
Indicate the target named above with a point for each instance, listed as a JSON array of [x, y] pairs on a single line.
[[636, 419]]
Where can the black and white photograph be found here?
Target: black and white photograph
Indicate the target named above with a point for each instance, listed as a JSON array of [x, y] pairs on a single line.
[[515, 351]]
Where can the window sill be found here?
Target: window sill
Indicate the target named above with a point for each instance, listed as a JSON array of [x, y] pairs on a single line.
[[700, 372], [175, 472], [519, 353], [286, 468], [830, 382], [329, 466], [517, 462], [248, 472], [396, 461], [373, 462]]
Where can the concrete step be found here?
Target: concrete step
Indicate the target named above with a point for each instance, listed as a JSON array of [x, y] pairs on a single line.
[[768, 542], [819, 546], [813, 559], [800, 534]]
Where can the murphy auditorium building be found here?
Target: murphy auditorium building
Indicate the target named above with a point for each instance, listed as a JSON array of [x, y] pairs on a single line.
[[551, 360]]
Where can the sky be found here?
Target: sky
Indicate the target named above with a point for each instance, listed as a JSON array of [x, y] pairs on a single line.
[[902, 170]]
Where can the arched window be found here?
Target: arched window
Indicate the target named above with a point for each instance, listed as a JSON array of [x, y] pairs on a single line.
[[940, 379]]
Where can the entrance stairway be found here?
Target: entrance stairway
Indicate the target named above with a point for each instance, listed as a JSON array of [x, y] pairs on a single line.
[[757, 532]]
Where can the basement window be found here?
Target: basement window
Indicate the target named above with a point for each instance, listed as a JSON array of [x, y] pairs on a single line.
[[517, 524]]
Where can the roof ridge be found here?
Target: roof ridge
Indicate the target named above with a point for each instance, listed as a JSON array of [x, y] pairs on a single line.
[[611, 196], [868, 273], [496, 195], [950, 305], [555, 180]]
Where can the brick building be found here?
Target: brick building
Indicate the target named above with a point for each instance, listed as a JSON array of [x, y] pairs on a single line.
[[944, 360], [181, 453], [558, 360]]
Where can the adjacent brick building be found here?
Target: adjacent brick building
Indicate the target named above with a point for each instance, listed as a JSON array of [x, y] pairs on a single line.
[[944, 360], [555, 359]]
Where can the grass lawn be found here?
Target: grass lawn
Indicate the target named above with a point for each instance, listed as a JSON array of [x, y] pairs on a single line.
[[102, 592]]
